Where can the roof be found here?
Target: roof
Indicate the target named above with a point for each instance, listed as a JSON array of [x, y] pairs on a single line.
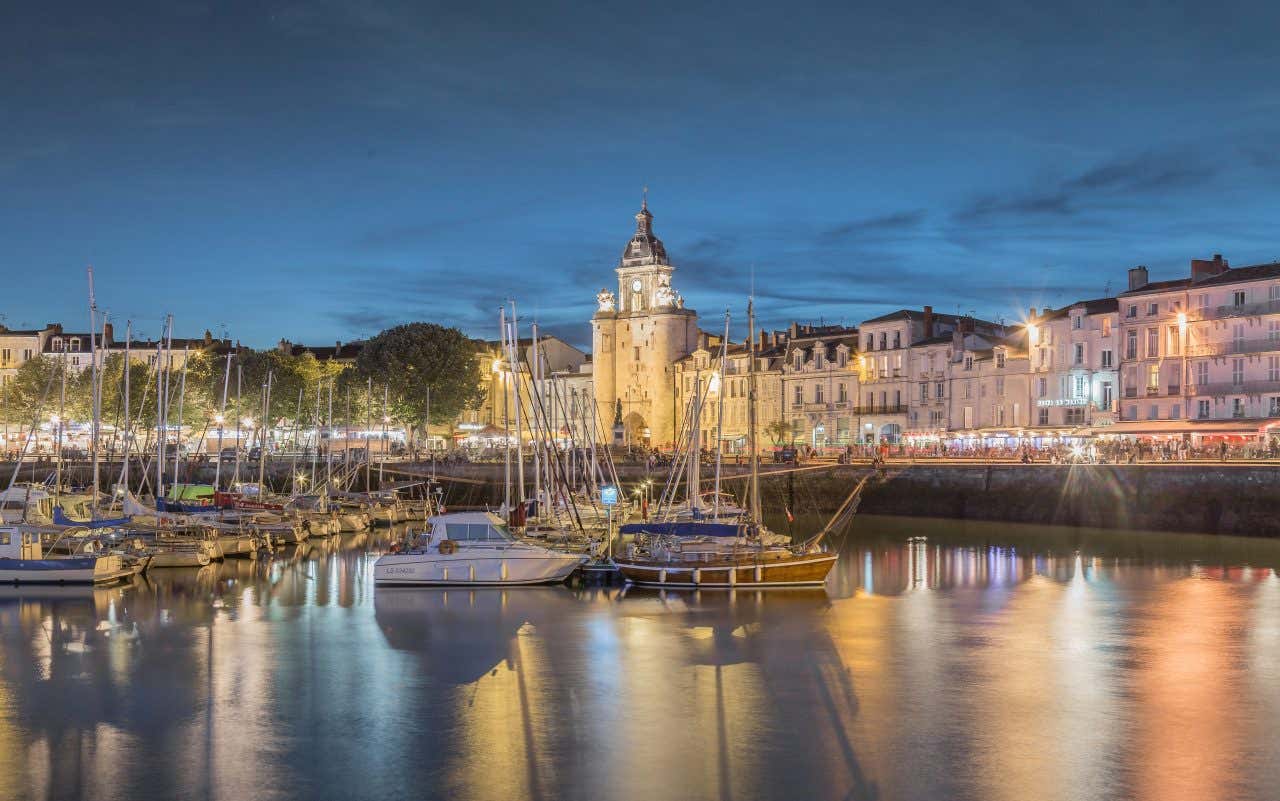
[[938, 340], [645, 247], [1231, 275], [914, 314]]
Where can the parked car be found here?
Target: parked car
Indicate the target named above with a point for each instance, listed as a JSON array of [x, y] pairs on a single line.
[[227, 454], [785, 455]]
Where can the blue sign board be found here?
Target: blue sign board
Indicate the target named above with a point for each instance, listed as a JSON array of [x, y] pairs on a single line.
[[609, 495]]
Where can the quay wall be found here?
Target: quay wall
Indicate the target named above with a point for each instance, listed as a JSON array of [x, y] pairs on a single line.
[[1235, 499]]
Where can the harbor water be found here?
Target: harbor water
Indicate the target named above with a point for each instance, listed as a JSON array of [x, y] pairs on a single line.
[[941, 661]]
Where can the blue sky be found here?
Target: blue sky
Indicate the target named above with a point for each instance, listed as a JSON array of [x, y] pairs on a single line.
[[321, 170]]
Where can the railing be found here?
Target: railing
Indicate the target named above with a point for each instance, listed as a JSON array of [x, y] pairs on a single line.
[[887, 409], [1235, 346], [1246, 310], [817, 407], [1234, 388], [1153, 392]]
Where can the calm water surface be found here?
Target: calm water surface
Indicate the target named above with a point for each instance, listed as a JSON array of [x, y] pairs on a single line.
[[942, 661]]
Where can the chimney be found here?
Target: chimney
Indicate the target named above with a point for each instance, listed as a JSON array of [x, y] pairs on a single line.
[[1138, 276], [795, 329], [928, 321], [55, 327], [1207, 268], [108, 334]]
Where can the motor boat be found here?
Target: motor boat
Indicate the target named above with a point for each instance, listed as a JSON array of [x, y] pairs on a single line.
[[22, 562], [472, 548]]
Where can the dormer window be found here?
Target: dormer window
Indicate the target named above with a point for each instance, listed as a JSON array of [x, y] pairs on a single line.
[[897, 339], [57, 344], [999, 358], [799, 359], [884, 339], [842, 359]]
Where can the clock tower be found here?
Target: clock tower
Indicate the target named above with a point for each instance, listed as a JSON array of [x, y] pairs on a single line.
[[637, 337]]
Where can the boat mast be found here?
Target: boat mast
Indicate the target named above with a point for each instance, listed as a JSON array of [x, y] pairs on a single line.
[[93, 363], [128, 413], [382, 460], [751, 411], [62, 415], [724, 381], [265, 428], [693, 476], [535, 441], [222, 419], [182, 397], [315, 426], [235, 478], [515, 399], [506, 421], [293, 466]]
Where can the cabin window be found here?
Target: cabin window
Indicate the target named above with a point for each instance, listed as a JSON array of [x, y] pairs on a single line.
[[4, 538], [472, 531]]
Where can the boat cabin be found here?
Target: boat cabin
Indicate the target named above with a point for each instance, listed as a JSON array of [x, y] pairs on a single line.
[[468, 528], [18, 544]]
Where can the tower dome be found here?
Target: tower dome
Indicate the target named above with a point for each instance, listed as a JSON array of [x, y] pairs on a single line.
[[645, 247]]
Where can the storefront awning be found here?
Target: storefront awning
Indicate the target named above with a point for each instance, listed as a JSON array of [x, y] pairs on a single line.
[[1210, 427]]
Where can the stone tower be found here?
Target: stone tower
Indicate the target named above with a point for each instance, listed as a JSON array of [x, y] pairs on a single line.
[[638, 333]]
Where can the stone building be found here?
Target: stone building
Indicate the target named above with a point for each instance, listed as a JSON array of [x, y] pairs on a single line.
[[820, 373], [726, 392], [639, 333]]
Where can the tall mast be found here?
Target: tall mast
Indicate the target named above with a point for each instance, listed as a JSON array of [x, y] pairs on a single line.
[[293, 467], [128, 413], [315, 426], [182, 397], [751, 411], [93, 390], [62, 415], [382, 461], [506, 423], [264, 427], [724, 388], [235, 478], [222, 419], [693, 477], [535, 391], [515, 398]]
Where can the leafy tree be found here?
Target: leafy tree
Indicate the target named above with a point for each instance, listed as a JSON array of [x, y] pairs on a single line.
[[410, 360], [780, 432]]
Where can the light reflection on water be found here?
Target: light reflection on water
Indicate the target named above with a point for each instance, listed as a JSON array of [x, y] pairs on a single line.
[[942, 661]]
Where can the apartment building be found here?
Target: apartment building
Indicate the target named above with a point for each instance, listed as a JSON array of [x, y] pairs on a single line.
[[820, 385], [1074, 364], [1201, 354], [725, 391]]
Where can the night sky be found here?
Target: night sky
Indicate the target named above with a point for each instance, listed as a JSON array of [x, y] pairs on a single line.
[[321, 170]]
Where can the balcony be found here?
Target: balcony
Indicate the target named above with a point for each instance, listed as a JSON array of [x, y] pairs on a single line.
[[1235, 346], [1153, 392], [1247, 310], [1235, 388], [887, 409], [816, 407]]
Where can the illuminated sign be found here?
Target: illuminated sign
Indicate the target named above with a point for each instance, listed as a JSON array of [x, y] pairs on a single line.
[[1063, 402], [609, 495]]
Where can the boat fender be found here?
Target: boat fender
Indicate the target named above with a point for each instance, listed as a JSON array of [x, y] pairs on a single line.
[[448, 546], [697, 575]]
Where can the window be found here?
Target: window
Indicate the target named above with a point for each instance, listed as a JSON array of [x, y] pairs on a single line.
[[817, 393], [968, 362], [1202, 409], [1153, 413], [1132, 311], [968, 390], [819, 357], [1237, 407], [870, 343], [1273, 368], [1153, 309], [897, 398], [842, 393], [1273, 409], [883, 340], [1202, 302], [1153, 343], [637, 358], [1237, 371], [57, 345], [1104, 396], [924, 391], [797, 362], [1000, 386], [26, 354], [1175, 411], [1075, 416], [1079, 351], [1044, 416], [1273, 328], [1042, 386], [1081, 387], [897, 339], [75, 344], [999, 358], [1237, 299], [1107, 360], [1131, 412], [1202, 373], [799, 399], [999, 415], [1237, 337], [1131, 344], [937, 390], [871, 401], [1106, 326], [842, 359], [1172, 341], [1153, 377], [1077, 321], [5, 356]]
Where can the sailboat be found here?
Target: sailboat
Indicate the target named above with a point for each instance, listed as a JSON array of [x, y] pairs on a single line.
[[718, 555]]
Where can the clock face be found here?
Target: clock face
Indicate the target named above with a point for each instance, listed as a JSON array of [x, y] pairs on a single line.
[[636, 285]]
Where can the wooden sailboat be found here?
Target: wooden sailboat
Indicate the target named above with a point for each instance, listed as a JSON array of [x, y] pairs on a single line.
[[726, 555]]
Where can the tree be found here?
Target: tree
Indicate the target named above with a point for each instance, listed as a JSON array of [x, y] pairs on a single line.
[[412, 359], [780, 432]]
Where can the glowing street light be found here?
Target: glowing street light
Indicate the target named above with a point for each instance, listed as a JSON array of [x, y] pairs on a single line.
[[219, 419]]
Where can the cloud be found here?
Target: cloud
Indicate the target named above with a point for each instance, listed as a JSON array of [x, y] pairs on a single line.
[[892, 223]]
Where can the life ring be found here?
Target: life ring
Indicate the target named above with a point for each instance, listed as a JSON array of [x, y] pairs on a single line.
[[448, 546]]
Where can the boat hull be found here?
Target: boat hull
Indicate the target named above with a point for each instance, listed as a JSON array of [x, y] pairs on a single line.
[[805, 570], [75, 570], [474, 570]]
